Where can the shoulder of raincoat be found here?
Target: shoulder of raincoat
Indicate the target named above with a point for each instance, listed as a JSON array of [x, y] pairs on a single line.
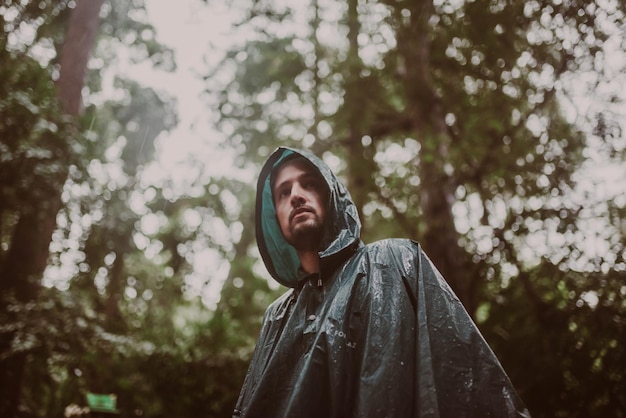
[[377, 333]]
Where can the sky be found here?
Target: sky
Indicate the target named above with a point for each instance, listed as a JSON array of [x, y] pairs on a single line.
[[199, 36]]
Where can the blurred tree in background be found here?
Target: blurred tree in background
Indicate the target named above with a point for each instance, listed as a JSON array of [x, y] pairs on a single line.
[[473, 127], [113, 312]]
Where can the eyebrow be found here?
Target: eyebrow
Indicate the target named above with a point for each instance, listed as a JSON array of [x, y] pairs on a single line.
[[308, 174]]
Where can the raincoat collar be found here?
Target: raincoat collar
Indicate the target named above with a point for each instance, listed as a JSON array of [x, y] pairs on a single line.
[[342, 229]]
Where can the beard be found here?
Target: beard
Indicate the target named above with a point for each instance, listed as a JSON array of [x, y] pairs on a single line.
[[307, 235]]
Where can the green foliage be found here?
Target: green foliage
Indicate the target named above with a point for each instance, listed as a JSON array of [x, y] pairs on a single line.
[[31, 130], [56, 334], [113, 312], [561, 346]]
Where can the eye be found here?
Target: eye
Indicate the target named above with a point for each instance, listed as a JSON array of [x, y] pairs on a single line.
[[283, 192], [312, 184]]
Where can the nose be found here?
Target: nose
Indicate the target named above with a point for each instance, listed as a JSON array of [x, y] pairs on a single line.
[[297, 198]]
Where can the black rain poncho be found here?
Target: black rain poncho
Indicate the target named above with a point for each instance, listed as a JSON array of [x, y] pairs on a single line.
[[377, 333]]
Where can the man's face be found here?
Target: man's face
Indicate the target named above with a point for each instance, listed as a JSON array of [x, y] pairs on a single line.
[[300, 197]]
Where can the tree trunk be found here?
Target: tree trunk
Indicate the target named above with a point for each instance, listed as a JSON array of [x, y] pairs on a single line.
[[28, 253], [440, 239], [25, 262], [80, 36], [360, 160]]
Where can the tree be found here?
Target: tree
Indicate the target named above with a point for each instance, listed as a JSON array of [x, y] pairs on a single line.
[[49, 338], [116, 309], [24, 262], [448, 122]]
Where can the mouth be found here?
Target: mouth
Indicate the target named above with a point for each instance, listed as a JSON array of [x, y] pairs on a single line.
[[300, 211]]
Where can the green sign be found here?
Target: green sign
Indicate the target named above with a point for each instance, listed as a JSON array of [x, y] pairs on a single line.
[[102, 402]]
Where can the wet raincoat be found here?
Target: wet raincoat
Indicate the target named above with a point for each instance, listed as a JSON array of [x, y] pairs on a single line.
[[377, 333]]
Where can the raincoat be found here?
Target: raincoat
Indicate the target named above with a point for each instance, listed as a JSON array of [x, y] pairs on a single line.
[[377, 333]]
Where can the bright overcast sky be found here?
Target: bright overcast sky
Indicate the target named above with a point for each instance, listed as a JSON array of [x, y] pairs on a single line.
[[199, 34]]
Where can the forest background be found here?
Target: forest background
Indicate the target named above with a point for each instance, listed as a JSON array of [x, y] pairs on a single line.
[[489, 130]]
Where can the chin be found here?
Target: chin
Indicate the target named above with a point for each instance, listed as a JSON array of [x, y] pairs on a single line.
[[306, 237]]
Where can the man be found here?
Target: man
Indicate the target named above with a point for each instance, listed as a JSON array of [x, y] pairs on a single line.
[[365, 330]]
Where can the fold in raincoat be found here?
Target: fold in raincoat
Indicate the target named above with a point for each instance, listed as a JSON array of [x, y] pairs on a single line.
[[377, 333]]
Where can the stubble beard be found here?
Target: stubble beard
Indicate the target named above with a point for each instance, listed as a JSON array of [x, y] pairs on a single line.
[[307, 235]]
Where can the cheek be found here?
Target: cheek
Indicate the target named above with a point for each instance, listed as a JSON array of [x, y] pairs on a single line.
[[282, 215], [323, 213], [320, 202]]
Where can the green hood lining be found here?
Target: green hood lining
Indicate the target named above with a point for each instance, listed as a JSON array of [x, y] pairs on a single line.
[[283, 255]]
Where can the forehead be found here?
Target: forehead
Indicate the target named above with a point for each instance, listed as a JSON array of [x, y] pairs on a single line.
[[294, 168]]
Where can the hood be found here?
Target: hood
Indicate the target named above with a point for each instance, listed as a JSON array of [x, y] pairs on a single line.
[[342, 227]]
